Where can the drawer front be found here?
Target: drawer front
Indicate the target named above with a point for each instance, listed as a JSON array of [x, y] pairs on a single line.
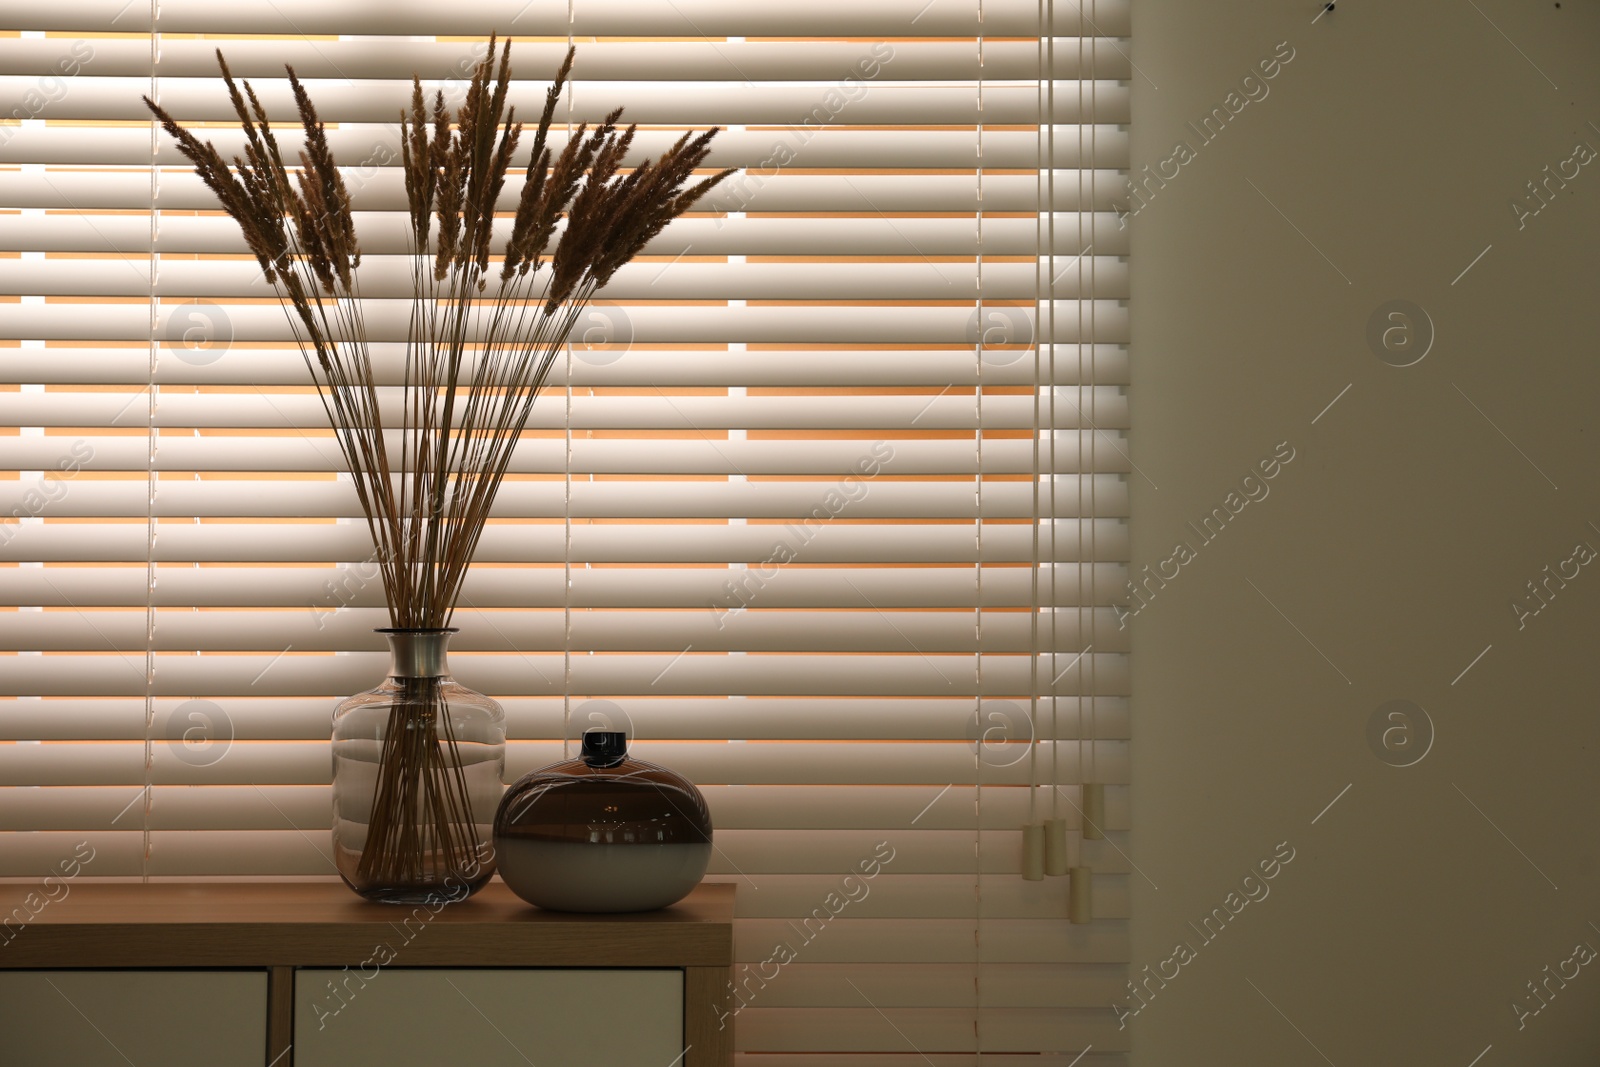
[[416, 1017], [113, 1018]]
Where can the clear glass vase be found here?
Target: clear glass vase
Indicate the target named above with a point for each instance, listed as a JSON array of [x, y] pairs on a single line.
[[418, 765]]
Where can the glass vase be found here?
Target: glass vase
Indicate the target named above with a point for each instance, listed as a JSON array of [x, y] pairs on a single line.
[[417, 770]]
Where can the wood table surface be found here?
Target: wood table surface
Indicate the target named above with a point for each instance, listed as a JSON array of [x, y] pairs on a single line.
[[309, 924]]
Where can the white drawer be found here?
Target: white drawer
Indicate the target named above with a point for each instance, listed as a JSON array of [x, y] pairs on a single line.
[[399, 1017], [113, 1018]]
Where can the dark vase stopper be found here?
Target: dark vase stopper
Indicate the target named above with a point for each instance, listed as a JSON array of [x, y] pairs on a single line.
[[603, 832]]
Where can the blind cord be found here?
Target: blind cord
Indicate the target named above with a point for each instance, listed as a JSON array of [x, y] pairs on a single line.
[[151, 442], [566, 500]]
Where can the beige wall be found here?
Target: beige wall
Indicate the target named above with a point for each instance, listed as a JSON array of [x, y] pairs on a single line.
[[1395, 541]]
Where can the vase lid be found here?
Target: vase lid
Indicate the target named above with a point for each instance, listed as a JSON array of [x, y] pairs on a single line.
[[604, 748]]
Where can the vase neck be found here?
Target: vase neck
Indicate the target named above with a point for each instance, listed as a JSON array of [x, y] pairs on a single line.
[[417, 653]]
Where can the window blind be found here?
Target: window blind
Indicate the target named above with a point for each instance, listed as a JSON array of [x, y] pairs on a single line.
[[826, 503]]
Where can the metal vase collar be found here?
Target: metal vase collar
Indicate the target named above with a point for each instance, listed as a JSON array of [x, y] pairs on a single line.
[[418, 653]]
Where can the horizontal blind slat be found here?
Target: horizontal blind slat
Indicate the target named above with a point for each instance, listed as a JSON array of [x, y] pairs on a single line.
[[390, 278], [765, 763], [720, 625], [695, 455], [846, 939], [606, 60], [309, 807], [683, 543], [96, 99], [1073, 408], [177, 675], [384, 190], [693, 19], [372, 146], [329, 589], [895, 985], [1065, 233], [610, 499], [1064, 321], [935, 1031], [649, 720]]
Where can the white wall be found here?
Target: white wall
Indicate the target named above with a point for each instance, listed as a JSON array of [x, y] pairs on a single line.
[[1393, 544]]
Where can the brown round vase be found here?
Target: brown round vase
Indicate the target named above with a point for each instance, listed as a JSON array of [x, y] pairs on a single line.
[[603, 832]]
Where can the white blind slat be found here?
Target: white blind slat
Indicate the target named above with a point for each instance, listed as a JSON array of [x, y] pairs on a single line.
[[1068, 322], [837, 807], [390, 277], [653, 720], [1005, 677], [376, 145], [384, 189], [595, 18], [384, 233], [350, 587], [697, 103], [943, 544], [622, 61], [309, 763]]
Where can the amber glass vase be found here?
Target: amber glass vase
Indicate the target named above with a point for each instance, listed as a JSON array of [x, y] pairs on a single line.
[[418, 764]]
